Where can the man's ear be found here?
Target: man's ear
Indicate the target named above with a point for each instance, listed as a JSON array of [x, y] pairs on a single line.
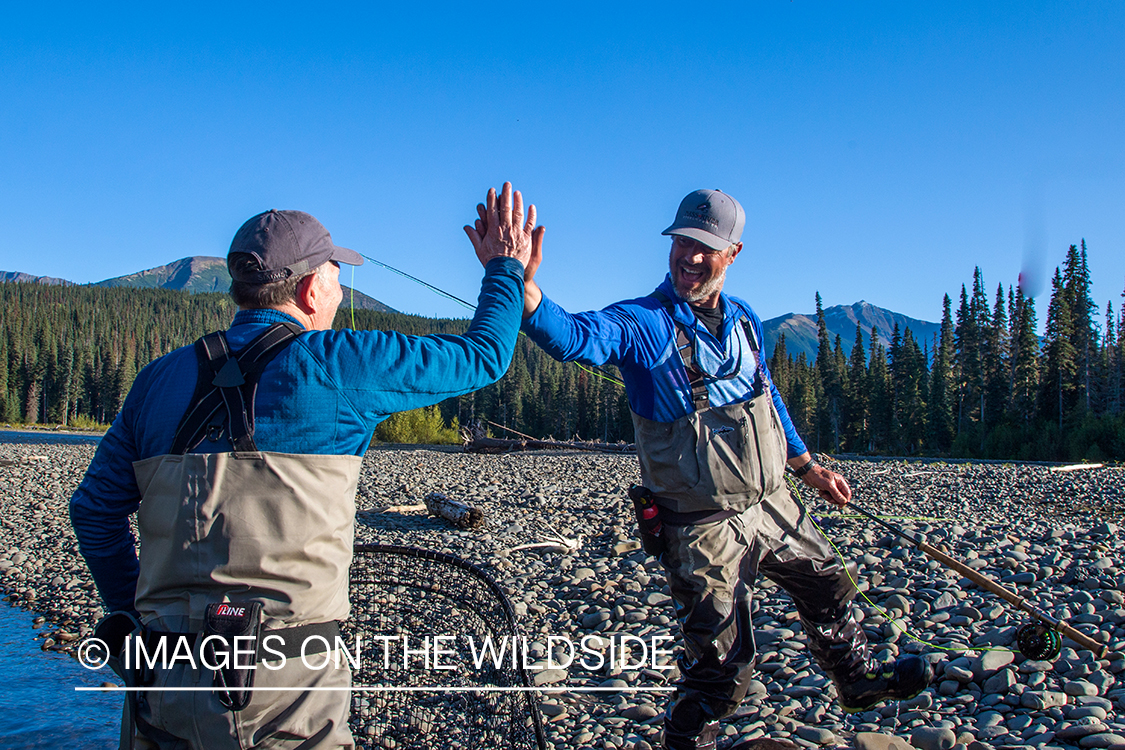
[[736, 249], [306, 294]]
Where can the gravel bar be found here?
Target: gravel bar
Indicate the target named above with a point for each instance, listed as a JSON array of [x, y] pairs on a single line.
[[1051, 535]]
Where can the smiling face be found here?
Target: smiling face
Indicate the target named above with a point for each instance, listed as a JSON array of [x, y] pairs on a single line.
[[698, 271]]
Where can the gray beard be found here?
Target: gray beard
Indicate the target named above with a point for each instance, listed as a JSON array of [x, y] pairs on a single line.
[[712, 285]]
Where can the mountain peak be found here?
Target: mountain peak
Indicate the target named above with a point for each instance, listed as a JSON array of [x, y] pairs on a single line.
[[801, 336], [18, 277], [195, 274]]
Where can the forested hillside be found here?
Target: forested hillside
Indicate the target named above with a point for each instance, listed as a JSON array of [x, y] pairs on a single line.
[[70, 354], [993, 391]]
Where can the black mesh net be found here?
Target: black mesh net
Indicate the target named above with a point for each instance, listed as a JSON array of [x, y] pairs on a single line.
[[402, 598]]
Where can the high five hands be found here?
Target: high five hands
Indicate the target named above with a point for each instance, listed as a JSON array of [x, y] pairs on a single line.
[[503, 231]]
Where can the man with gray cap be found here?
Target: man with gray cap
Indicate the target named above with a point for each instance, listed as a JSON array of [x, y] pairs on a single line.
[[240, 456], [715, 440]]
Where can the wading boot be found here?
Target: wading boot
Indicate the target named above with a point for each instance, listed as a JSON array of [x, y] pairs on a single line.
[[876, 682], [705, 740]]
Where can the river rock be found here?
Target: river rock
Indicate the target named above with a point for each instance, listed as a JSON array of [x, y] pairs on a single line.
[[641, 712], [877, 741], [1107, 739], [933, 738]]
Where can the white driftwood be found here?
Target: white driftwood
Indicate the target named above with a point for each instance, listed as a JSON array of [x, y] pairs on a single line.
[[403, 508], [1076, 467], [459, 514], [555, 542]]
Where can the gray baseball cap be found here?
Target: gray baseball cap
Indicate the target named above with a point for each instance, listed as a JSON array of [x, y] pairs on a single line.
[[711, 217], [285, 243]]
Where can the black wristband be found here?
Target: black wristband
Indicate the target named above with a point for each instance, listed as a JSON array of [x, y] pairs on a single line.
[[801, 471]]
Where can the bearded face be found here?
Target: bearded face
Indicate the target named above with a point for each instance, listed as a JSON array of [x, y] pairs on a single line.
[[698, 271]]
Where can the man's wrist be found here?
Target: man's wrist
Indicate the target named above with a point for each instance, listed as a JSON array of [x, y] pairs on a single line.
[[805, 468]]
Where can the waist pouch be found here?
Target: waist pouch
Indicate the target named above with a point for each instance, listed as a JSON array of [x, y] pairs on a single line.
[[236, 626], [649, 525]]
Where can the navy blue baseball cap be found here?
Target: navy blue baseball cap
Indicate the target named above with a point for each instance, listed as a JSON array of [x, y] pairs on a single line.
[[285, 244], [711, 217]]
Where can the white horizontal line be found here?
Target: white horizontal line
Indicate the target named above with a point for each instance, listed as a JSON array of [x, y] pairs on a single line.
[[385, 689]]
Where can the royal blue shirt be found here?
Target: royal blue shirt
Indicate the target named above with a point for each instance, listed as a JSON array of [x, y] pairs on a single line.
[[639, 338], [323, 394]]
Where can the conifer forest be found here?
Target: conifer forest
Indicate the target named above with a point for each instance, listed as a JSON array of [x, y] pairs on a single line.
[[987, 387]]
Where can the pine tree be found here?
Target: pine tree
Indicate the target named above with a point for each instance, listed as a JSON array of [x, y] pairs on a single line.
[[908, 376], [940, 418], [1108, 370], [1059, 390], [780, 367], [1084, 335], [965, 361], [1025, 361], [1119, 371], [803, 406], [997, 366], [858, 434], [4, 395], [879, 397], [837, 412], [829, 387]]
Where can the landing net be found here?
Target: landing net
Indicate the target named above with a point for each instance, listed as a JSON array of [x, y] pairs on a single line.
[[402, 596]]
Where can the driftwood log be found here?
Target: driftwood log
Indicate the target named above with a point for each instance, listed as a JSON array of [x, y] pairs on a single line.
[[457, 513], [475, 440]]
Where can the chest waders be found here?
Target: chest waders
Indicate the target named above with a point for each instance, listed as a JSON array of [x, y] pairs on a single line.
[[717, 478], [717, 458], [246, 527]]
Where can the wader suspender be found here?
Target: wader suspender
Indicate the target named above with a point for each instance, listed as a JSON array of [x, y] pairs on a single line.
[[229, 380], [686, 347]]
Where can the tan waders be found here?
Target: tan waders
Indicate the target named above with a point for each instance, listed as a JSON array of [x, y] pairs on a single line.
[[243, 526], [718, 476], [235, 527]]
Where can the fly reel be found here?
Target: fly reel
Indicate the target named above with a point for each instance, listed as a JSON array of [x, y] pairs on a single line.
[[1038, 642]]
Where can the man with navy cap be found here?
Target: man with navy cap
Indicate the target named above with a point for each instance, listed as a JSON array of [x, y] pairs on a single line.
[[714, 441], [240, 456]]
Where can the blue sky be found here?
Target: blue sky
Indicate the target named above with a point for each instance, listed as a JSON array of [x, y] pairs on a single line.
[[881, 150]]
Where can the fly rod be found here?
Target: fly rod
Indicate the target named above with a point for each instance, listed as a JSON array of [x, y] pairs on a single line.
[[1034, 641]]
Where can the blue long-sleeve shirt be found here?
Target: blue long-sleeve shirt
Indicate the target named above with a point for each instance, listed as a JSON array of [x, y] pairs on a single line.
[[640, 339], [322, 394]]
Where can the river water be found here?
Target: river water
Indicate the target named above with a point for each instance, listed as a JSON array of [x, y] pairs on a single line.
[[41, 708]]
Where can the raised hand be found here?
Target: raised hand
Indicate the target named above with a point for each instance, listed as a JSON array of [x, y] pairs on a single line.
[[503, 231]]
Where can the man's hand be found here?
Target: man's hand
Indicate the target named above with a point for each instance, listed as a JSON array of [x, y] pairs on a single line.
[[502, 231], [532, 295], [831, 486]]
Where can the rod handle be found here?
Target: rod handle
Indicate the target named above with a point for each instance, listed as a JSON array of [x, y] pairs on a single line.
[[1099, 649]]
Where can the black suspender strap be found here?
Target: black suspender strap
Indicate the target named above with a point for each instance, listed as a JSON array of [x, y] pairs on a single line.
[[685, 345], [229, 382]]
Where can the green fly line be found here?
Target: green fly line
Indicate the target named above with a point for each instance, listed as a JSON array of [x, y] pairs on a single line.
[[352, 290], [468, 305], [894, 621]]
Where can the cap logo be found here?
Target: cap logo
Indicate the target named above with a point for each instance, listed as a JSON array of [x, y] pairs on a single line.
[[702, 214]]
